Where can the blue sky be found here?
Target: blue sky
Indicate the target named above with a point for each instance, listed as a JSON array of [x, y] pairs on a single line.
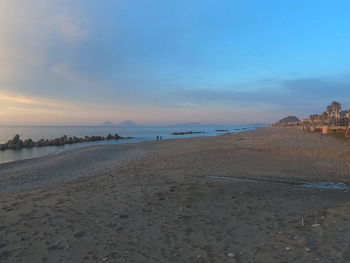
[[160, 61]]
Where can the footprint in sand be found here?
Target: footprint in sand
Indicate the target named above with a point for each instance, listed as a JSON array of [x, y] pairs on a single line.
[[80, 234]]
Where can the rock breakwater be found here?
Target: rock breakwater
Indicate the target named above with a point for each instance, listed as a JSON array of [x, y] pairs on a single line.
[[186, 132], [17, 144]]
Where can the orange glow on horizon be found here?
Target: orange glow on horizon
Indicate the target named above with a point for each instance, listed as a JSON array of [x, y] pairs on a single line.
[[15, 98]]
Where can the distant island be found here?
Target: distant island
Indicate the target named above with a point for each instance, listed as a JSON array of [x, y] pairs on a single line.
[[108, 123], [289, 119], [124, 123], [127, 123]]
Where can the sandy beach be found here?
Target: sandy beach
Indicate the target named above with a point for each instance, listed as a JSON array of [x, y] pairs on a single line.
[[158, 201]]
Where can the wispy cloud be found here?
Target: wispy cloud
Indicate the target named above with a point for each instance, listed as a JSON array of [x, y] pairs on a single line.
[[21, 100], [70, 27], [30, 31], [64, 71], [300, 95]]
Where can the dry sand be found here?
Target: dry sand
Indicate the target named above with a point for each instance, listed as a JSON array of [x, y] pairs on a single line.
[[154, 202]]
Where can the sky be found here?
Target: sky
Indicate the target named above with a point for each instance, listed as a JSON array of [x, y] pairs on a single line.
[[84, 62]]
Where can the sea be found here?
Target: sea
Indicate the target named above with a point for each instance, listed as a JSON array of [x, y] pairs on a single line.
[[139, 134]]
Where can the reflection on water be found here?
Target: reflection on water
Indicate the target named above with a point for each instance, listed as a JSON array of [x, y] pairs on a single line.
[[139, 134]]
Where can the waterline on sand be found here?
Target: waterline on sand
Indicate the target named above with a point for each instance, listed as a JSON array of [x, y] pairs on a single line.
[[313, 185]]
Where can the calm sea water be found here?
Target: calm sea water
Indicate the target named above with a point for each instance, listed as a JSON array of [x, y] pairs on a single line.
[[140, 133]]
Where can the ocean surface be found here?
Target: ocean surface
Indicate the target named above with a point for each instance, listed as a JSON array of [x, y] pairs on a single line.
[[139, 134]]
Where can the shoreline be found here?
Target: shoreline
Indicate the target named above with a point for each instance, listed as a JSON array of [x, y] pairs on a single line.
[[38, 152], [154, 202], [20, 167], [123, 153], [95, 145]]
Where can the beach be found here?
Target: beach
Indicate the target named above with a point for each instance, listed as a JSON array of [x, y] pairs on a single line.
[[173, 201]]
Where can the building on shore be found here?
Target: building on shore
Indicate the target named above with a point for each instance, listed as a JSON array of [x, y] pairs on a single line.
[[333, 116], [333, 119]]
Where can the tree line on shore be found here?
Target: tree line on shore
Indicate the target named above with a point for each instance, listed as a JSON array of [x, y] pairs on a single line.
[[332, 116], [17, 144]]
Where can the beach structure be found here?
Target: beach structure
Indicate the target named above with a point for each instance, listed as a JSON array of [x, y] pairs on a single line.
[[347, 114], [317, 118], [335, 110], [332, 120]]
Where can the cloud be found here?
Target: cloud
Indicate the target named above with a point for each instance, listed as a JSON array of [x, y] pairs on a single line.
[[319, 89], [301, 96], [31, 31], [11, 98], [16, 62], [66, 72], [70, 27]]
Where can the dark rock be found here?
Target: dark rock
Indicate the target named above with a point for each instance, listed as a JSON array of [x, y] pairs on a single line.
[[40, 143], [28, 143], [56, 142], [117, 137], [11, 145], [16, 143], [19, 145], [15, 139], [183, 133]]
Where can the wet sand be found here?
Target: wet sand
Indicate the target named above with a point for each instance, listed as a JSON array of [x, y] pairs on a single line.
[[155, 201]]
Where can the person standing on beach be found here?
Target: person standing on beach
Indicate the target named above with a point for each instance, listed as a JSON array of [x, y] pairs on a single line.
[[157, 137]]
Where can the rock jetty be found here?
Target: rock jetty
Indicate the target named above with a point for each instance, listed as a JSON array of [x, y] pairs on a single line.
[[17, 144], [188, 132]]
